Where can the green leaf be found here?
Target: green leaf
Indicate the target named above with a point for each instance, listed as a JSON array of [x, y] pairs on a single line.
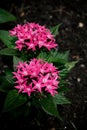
[[63, 73], [9, 52], [5, 16], [5, 86], [56, 56], [49, 107], [70, 65], [60, 99], [16, 60], [43, 55], [9, 75], [13, 100], [63, 86], [54, 30], [63, 89], [8, 40]]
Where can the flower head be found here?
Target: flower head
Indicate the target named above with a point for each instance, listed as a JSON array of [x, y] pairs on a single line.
[[36, 76], [32, 36]]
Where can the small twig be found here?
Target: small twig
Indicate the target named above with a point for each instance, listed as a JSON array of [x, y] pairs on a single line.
[[61, 10]]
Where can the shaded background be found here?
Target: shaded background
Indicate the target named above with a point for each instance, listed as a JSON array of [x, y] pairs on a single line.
[[72, 36]]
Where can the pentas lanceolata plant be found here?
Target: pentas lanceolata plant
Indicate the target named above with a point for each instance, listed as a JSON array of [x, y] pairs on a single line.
[[37, 75], [36, 78]]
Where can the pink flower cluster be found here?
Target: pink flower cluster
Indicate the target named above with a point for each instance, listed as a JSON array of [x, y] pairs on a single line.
[[32, 36], [36, 76]]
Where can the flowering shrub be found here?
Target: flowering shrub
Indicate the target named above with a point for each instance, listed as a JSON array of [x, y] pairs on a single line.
[[38, 73]]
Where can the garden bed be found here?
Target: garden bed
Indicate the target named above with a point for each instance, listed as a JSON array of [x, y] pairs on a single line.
[[72, 15]]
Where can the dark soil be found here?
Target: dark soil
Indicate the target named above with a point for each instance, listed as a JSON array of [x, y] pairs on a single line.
[[72, 36]]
